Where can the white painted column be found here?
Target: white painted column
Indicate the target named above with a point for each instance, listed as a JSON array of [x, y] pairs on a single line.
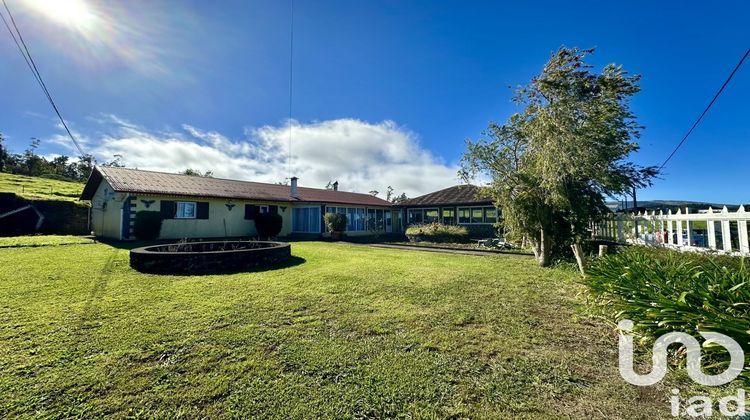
[[620, 229]]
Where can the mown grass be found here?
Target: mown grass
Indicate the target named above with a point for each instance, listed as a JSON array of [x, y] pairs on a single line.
[[38, 188], [346, 331], [43, 240]]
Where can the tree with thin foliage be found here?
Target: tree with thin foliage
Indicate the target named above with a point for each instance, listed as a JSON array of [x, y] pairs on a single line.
[[553, 164], [196, 172]]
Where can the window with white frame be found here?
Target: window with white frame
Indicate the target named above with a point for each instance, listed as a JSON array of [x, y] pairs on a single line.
[[185, 210], [415, 216], [306, 219], [263, 209], [355, 217]]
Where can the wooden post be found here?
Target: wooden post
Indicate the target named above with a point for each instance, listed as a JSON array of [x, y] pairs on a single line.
[[602, 250], [711, 231], [620, 229], [670, 240], [635, 209], [679, 228], [661, 226], [742, 231], [726, 233], [687, 229]]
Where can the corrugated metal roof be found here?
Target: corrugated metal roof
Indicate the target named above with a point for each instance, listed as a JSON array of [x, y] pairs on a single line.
[[161, 183], [458, 194]]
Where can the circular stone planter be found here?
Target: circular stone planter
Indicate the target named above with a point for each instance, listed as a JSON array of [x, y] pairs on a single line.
[[209, 257]]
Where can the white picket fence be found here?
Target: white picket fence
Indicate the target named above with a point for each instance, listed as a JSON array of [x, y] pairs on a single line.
[[707, 230]]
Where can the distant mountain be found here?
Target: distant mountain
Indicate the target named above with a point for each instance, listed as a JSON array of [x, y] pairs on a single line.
[[673, 205]]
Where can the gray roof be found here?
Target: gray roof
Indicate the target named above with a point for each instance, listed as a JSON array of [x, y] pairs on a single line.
[[458, 194]]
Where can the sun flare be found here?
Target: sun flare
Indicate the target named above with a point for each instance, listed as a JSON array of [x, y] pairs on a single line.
[[73, 13]]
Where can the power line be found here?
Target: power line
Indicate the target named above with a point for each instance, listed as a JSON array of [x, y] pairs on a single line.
[[291, 68], [737, 67], [35, 71]]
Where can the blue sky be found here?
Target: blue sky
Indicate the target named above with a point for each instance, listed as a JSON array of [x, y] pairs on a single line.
[[385, 92]]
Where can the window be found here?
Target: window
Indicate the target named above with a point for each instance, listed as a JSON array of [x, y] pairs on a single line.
[[415, 216], [379, 224], [185, 210], [477, 216], [464, 215], [262, 209], [490, 215], [449, 216], [355, 217], [360, 219], [351, 222], [306, 219], [431, 215]]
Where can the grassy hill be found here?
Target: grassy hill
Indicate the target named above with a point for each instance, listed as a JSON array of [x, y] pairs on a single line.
[[37, 188]]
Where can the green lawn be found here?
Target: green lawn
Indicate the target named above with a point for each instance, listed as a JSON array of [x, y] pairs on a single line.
[[42, 240], [346, 331], [37, 188]]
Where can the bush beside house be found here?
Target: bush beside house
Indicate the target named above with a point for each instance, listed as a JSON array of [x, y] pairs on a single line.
[[268, 225], [147, 225], [437, 232], [336, 224]]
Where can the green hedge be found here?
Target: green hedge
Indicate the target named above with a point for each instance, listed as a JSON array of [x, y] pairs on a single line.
[[664, 291], [437, 232]]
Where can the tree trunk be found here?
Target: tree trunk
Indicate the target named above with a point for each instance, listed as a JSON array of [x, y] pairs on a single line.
[[541, 249], [580, 257]]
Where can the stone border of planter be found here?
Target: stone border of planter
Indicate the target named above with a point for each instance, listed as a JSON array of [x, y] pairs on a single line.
[[209, 257]]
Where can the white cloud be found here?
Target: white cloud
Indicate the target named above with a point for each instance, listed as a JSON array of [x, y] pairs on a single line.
[[362, 156]]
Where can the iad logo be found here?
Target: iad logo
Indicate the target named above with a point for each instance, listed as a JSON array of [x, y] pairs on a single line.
[[659, 357], [697, 405]]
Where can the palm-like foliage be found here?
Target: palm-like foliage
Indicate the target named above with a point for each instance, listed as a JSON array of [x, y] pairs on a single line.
[[664, 291]]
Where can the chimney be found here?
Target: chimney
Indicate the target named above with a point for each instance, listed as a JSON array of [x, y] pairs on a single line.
[[336, 186], [293, 191]]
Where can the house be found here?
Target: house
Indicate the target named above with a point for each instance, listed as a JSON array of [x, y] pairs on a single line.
[[458, 205], [201, 207]]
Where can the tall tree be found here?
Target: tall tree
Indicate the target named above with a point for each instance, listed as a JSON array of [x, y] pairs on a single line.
[[4, 154], [553, 163]]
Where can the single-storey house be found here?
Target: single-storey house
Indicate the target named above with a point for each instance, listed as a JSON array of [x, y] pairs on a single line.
[[203, 207], [458, 205]]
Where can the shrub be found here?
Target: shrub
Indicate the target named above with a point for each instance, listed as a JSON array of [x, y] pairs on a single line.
[[147, 225], [268, 225], [437, 232], [335, 222], [664, 291]]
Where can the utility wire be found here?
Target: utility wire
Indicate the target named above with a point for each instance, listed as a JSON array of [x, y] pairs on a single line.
[[291, 68], [35, 71], [737, 67]]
